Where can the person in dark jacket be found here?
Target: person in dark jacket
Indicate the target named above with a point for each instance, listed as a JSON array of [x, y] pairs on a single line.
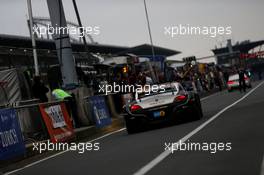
[[242, 82], [39, 90]]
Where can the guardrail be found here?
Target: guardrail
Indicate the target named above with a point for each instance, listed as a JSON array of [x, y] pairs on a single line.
[[31, 121]]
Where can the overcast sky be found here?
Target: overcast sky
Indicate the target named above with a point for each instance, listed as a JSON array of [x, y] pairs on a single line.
[[123, 22]]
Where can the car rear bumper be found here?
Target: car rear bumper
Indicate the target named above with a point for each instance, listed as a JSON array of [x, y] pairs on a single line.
[[172, 112], [236, 85]]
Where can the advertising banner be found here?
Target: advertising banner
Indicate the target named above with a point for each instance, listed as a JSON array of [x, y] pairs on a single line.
[[99, 110], [58, 122], [11, 139]]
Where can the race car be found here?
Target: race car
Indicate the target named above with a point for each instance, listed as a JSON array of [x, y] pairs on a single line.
[[169, 103], [233, 82]]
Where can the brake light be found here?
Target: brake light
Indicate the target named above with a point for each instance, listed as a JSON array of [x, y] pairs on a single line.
[[246, 78], [230, 82], [135, 108], [180, 98]]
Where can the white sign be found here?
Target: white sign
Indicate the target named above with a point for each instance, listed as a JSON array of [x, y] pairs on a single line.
[[56, 115]]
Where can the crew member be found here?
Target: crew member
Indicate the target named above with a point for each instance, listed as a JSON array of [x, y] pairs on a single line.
[[242, 82], [70, 103]]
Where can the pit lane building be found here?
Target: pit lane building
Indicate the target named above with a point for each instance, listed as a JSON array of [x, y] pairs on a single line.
[[245, 53], [16, 51]]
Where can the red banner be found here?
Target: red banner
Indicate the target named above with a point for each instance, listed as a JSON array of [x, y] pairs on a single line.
[[252, 55], [57, 121]]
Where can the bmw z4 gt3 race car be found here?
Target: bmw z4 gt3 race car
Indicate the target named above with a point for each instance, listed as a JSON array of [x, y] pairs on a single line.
[[169, 103]]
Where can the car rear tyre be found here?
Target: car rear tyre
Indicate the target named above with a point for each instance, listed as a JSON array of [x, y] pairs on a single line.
[[131, 126]]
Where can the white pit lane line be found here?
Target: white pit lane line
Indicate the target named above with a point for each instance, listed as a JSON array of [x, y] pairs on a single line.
[[167, 152]]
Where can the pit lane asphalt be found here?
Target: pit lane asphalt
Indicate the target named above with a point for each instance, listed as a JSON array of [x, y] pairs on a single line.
[[242, 125]]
